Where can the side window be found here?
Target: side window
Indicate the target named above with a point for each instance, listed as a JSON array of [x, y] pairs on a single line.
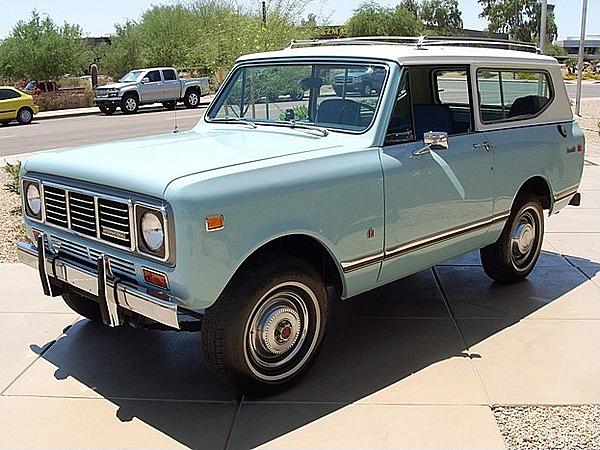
[[153, 76], [451, 87], [8, 94], [169, 74], [506, 95], [400, 128]]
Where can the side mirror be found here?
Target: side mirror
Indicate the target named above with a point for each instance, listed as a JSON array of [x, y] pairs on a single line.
[[434, 140], [145, 80]]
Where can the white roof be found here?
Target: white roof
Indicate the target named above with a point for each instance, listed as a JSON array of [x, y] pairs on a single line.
[[409, 54]]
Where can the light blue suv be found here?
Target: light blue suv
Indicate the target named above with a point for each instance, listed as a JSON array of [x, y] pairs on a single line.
[[250, 223]]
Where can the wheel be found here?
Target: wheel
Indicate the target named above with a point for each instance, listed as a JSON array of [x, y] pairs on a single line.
[[129, 104], [265, 329], [107, 109], [366, 90], [83, 306], [171, 104], [25, 116], [338, 92], [513, 256], [192, 98]]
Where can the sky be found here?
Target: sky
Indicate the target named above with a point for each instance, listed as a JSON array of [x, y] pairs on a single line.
[[98, 17]]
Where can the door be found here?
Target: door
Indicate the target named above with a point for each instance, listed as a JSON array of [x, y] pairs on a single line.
[[152, 89], [9, 103], [172, 88], [438, 204]]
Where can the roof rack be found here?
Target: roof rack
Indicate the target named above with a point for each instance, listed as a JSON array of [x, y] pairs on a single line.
[[420, 42]]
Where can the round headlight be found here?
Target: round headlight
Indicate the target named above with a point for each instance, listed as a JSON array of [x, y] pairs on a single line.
[[152, 231], [34, 201]]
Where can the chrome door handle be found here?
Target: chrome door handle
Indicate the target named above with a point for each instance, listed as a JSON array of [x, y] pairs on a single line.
[[487, 146]]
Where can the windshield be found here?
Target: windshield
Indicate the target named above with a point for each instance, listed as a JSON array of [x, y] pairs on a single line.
[[134, 75], [31, 85], [334, 96]]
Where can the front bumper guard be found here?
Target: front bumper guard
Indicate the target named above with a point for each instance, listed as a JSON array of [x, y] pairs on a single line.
[[113, 294]]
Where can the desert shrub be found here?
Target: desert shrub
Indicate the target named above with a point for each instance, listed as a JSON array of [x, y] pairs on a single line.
[[12, 170], [67, 99]]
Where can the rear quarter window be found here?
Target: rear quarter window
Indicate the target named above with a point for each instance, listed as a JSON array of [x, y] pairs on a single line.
[[512, 95]]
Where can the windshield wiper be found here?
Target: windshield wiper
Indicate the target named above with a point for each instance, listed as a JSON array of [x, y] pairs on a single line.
[[302, 126], [239, 120]]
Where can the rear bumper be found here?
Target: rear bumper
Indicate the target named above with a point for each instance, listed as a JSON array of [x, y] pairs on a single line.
[[113, 294]]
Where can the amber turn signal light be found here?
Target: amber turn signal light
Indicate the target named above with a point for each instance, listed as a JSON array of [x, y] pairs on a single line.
[[214, 223], [155, 278]]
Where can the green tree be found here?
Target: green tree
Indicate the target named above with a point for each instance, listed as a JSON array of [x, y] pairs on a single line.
[[39, 49], [520, 19], [554, 50], [443, 17], [124, 53], [372, 19]]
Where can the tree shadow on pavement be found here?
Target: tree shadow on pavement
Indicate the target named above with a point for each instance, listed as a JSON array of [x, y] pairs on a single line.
[[374, 341]]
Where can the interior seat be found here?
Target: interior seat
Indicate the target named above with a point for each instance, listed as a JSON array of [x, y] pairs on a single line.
[[340, 111], [529, 105], [432, 117]]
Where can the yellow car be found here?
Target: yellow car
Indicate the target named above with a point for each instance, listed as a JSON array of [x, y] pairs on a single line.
[[16, 104]]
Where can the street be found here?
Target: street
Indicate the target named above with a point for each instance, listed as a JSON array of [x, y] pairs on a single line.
[[588, 89], [71, 131]]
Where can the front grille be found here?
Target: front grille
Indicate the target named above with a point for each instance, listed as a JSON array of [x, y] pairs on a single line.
[[88, 255], [88, 214]]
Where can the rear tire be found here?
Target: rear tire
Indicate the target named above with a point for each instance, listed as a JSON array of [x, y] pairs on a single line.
[[107, 109], [129, 104], [265, 330], [25, 116], [83, 306], [514, 255], [192, 98]]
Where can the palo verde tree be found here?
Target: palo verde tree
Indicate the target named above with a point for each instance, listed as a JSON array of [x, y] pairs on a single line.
[[520, 19], [441, 17], [39, 49], [372, 19]]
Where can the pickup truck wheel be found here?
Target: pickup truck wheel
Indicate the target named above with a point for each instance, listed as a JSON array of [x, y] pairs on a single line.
[[513, 256], [83, 306], [25, 116], [264, 331], [192, 98], [129, 104], [170, 105], [107, 109]]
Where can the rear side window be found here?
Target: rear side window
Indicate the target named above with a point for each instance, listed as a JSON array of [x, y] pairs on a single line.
[[506, 95], [7, 94], [169, 75]]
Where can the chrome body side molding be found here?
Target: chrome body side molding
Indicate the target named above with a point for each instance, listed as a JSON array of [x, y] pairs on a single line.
[[393, 252]]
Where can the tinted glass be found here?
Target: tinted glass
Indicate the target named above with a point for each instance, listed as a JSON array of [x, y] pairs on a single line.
[[7, 94], [153, 76], [169, 75], [512, 95], [337, 96]]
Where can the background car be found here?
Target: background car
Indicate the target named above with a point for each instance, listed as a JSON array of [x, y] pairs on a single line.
[[360, 80], [16, 104], [37, 87]]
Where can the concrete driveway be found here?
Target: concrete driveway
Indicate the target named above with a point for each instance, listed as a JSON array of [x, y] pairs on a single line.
[[418, 364]]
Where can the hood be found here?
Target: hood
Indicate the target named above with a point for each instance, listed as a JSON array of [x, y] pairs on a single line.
[[117, 85], [147, 165]]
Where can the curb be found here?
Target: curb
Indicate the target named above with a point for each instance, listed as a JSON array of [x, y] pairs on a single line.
[[59, 114]]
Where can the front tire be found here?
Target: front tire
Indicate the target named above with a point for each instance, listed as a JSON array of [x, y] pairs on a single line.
[[107, 109], [129, 104], [514, 255], [83, 306], [192, 98], [264, 331], [25, 116]]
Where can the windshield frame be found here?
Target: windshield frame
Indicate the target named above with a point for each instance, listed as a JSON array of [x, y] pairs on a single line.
[[141, 73], [303, 61]]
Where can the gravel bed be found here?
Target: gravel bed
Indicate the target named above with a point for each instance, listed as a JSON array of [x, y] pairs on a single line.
[[549, 427], [11, 227]]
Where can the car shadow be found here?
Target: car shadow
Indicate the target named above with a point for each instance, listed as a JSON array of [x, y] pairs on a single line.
[[373, 342]]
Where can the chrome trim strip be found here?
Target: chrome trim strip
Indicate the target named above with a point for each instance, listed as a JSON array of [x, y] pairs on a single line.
[[393, 252], [162, 309], [565, 193], [364, 261]]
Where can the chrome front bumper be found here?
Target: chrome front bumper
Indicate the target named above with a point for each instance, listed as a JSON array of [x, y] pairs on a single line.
[[112, 293]]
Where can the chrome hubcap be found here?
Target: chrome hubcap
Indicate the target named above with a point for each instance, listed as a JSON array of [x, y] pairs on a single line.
[[193, 99], [282, 331], [25, 116], [130, 104], [524, 239]]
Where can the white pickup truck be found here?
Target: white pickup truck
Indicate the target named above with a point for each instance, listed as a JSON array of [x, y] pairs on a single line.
[[154, 85]]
